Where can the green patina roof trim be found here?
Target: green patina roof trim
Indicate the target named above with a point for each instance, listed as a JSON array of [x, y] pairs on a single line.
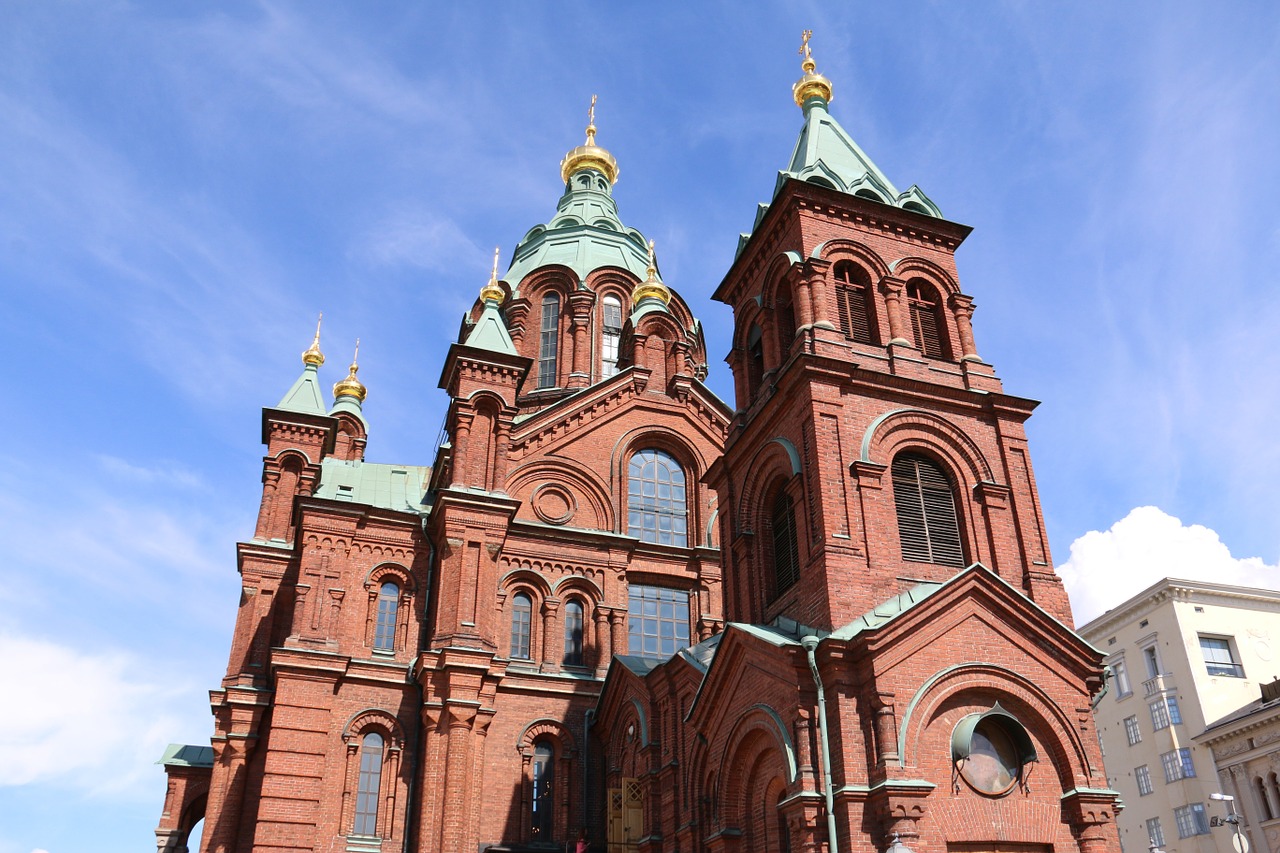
[[886, 611], [402, 488], [186, 755], [490, 332], [585, 234], [350, 405], [305, 395]]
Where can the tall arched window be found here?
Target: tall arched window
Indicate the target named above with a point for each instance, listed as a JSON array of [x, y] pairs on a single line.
[[573, 633], [655, 499], [521, 625], [786, 556], [755, 361], [927, 522], [543, 806], [384, 637], [612, 337], [1264, 801], [369, 785], [549, 341], [853, 299], [927, 326]]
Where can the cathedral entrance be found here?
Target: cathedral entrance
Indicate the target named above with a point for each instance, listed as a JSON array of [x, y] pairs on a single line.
[[543, 821], [626, 816]]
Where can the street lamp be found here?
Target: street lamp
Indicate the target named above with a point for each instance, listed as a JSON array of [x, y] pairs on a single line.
[[1240, 842]]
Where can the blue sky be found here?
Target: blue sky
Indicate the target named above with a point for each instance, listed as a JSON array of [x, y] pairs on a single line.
[[185, 186]]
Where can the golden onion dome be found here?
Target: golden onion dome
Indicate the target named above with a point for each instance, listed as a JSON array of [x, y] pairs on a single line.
[[351, 386], [651, 287], [492, 290], [589, 155], [313, 356], [812, 84]]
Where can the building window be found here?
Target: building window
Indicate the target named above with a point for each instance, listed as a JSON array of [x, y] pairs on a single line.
[[542, 804], [1178, 765], [369, 785], [573, 633], [655, 499], [657, 621], [927, 522], [612, 337], [1264, 799], [1219, 657], [1152, 660], [853, 299], [1143, 777], [384, 635], [1123, 688], [521, 626], [1191, 820], [549, 341], [1164, 712], [786, 555], [1131, 730], [1154, 833], [926, 319]]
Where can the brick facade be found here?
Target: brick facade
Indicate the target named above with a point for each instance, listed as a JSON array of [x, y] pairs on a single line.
[[408, 672]]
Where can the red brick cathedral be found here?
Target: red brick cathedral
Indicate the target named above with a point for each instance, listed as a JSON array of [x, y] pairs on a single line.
[[823, 619]]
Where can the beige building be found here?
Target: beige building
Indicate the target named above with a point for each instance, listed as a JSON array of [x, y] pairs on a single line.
[[1183, 655], [1246, 752]]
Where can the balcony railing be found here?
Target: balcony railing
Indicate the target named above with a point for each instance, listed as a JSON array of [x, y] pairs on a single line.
[[1159, 684]]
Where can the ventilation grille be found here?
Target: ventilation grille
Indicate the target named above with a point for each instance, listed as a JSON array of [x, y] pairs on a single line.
[[924, 323]]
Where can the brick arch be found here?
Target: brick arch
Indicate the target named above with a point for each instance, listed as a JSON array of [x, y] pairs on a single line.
[[292, 456], [1044, 719], [753, 758], [612, 281], [546, 728], [583, 587], [374, 719], [571, 474], [776, 460], [775, 272], [912, 267], [556, 277], [389, 571], [903, 429], [524, 579], [850, 250]]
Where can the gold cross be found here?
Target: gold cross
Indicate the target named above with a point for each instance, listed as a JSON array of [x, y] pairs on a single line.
[[652, 261], [804, 44], [494, 277], [591, 113]]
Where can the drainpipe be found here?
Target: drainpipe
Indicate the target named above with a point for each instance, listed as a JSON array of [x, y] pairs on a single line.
[[810, 643]]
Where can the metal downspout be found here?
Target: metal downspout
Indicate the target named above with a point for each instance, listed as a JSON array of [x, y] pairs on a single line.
[[810, 643]]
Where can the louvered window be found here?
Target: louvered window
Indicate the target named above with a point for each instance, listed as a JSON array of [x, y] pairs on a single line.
[[853, 299], [785, 317], [786, 557], [926, 322], [549, 341], [755, 360], [927, 523]]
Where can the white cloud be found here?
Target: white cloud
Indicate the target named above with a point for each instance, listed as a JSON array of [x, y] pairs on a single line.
[[1108, 567], [89, 720]]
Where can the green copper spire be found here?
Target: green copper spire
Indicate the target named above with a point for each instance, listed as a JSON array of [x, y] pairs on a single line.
[[305, 396], [585, 232], [490, 331], [826, 155]]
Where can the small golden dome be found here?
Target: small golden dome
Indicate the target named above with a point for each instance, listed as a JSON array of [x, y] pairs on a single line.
[[351, 386], [589, 155], [492, 290], [313, 356], [651, 287], [812, 84]]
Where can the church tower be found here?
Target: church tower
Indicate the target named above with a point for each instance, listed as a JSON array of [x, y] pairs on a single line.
[[872, 446]]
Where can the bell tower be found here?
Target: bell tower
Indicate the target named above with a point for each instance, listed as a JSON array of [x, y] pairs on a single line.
[[873, 447]]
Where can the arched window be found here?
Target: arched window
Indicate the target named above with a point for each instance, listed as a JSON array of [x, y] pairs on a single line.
[[785, 316], [573, 633], [755, 361], [384, 636], [927, 326], [549, 341], [655, 499], [612, 337], [542, 804], [1264, 802], [521, 625], [927, 522], [853, 299], [369, 785], [786, 557]]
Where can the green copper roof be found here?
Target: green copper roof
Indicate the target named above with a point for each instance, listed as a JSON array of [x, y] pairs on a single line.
[[825, 154], [490, 332], [351, 405], [305, 396], [585, 234], [402, 488], [186, 755]]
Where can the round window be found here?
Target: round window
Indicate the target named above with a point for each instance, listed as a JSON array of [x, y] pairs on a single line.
[[990, 751]]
